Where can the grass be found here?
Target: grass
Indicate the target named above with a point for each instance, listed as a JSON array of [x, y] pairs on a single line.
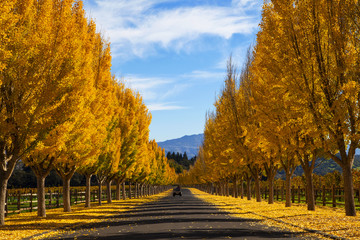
[[327, 221], [24, 225]]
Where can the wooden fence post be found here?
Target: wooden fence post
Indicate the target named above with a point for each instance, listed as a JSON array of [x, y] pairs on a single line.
[[6, 203], [76, 192], [31, 201], [58, 199], [19, 201], [265, 193], [50, 199], [333, 196]]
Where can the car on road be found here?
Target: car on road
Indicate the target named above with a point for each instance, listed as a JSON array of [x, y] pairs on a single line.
[[177, 191]]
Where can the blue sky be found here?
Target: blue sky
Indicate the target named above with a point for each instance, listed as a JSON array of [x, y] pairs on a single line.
[[174, 53]]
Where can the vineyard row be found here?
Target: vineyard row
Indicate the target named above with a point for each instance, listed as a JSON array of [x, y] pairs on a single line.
[[333, 196], [25, 200]]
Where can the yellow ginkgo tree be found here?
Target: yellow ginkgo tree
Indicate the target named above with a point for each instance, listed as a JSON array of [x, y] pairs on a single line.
[[319, 61], [46, 56]]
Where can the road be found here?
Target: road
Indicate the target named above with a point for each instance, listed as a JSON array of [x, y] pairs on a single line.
[[185, 217]]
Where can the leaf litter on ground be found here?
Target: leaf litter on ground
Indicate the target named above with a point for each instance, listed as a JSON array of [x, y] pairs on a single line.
[[324, 220]]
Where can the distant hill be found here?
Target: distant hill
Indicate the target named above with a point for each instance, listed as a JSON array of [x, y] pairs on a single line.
[[189, 144], [324, 166]]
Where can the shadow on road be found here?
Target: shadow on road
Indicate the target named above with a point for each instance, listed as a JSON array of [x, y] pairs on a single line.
[[185, 217]]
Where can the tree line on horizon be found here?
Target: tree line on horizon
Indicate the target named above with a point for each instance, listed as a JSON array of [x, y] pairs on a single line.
[[296, 99], [62, 109], [180, 161]]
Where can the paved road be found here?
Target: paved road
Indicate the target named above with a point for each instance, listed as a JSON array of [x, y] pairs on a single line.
[[185, 217]]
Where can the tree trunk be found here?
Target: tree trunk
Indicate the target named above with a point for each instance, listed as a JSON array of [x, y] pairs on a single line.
[[248, 185], [223, 188], [100, 192], [141, 190], [118, 192], [310, 196], [255, 175], [270, 172], [66, 192], [227, 187], [66, 174], [41, 170], [271, 178], [130, 190], [108, 191], [235, 187], [288, 189], [348, 191], [41, 210], [88, 191], [3, 188], [308, 167], [8, 162], [257, 189], [123, 191], [289, 167], [242, 189]]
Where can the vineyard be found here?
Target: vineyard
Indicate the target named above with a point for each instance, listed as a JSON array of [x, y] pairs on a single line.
[[332, 197], [25, 200]]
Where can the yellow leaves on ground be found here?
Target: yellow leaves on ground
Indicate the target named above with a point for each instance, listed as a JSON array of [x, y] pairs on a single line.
[[327, 220], [28, 224]]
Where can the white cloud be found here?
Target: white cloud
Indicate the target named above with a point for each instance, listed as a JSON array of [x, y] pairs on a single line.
[[137, 27], [148, 87], [140, 83], [158, 92], [247, 4], [174, 90], [200, 75], [163, 106]]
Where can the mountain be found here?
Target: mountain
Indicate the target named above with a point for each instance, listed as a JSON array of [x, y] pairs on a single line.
[[188, 143]]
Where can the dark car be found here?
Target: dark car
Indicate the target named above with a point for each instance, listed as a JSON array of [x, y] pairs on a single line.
[[177, 191]]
